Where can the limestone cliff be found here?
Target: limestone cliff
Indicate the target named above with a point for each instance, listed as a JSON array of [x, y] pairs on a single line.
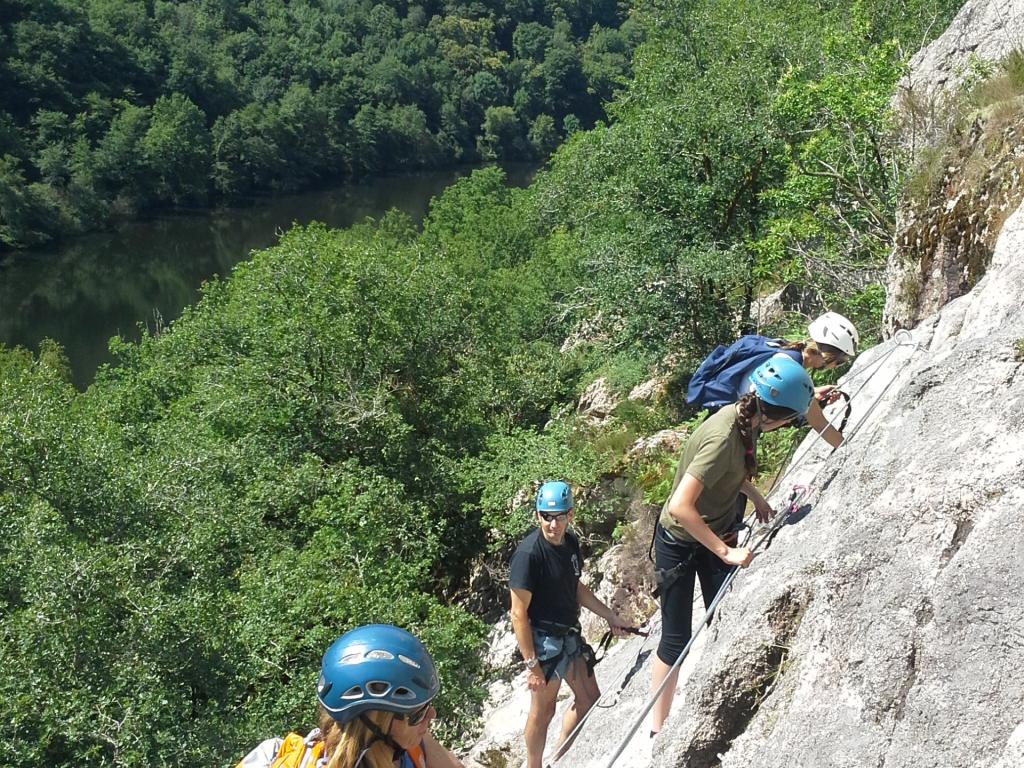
[[985, 29], [885, 625], [963, 117]]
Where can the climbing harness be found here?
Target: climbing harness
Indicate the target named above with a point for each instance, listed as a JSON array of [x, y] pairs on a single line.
[[559, 635], [615, 689], [666, 577], [795, 499]]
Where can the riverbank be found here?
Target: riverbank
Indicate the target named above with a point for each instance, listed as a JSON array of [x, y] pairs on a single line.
[[146, 272]]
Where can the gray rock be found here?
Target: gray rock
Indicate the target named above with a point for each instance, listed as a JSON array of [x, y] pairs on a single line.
[[597, 402], [986, 30], [622, 579], [665, 441], [649, 391], [772, 308], [884, 626]]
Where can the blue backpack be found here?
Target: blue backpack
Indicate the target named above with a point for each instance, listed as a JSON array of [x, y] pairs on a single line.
[[722, 377]]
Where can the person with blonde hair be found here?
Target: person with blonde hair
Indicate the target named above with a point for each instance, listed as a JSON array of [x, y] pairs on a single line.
[[376, 690], [724, 377]]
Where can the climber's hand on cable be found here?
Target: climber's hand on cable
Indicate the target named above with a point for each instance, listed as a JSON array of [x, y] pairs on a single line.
[[826, 395], [740, 556], [764, 512], [618, 625]]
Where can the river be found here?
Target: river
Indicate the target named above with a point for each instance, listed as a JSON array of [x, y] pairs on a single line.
[[145, 272]]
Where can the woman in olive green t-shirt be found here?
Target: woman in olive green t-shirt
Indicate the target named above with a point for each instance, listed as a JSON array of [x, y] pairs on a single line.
[[716, 466]]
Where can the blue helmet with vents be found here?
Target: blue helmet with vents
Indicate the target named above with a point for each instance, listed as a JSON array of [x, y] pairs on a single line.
[[375, 667], [554, 496], [782, 381]]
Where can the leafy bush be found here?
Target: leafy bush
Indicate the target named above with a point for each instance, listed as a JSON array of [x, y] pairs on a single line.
[[520, 460]]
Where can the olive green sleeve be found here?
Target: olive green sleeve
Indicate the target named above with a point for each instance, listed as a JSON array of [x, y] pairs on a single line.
[[711, 461]]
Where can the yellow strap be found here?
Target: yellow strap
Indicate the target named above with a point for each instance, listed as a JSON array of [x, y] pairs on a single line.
[[316, 751], [291, 752]]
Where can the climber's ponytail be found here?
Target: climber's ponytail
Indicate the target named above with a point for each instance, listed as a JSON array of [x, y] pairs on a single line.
[[746, 409]]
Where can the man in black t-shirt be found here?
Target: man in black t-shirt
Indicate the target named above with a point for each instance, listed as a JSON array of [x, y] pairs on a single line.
[[546, 599]]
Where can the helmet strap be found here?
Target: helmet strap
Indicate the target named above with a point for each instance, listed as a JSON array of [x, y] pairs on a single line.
[[379, 735]]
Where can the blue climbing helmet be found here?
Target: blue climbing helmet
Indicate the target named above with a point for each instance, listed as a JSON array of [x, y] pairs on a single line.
[[782, 381], [377, 666], [554, 496]]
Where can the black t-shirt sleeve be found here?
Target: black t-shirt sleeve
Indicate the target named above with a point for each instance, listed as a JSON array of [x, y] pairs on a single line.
[[522, 572]]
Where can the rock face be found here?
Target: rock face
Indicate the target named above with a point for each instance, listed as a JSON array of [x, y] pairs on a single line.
[[597, 402], [772, 308], [945, 244], [649, 391], [985, 29], [969, 165], [884, 626], [665, 441]]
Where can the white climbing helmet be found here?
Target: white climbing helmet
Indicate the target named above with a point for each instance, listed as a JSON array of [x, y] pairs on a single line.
[[836, 331]]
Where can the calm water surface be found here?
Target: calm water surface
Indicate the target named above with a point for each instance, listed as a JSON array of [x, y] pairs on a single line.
[[108, 284]]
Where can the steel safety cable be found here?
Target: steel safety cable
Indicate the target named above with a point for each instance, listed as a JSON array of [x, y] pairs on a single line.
[[903, 338], [796, 498]]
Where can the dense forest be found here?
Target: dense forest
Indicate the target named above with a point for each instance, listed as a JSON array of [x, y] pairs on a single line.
[[338, 431], [110, 107]]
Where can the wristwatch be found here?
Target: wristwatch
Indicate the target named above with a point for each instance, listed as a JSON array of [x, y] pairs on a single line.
[[531, 662]]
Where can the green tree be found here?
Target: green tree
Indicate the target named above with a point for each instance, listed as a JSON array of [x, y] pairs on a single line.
[[486, 89], [176, 148], [531, 40], [543, 135], [392, 138], [606, 62], [502, 134], [839, 197], [54, 136], [564, 81], [119, 157], [245, 152], [24, 219]]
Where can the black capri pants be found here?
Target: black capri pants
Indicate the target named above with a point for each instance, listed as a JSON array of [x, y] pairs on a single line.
[[677, 597]]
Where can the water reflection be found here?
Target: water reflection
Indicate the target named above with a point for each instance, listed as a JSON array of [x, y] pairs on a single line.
[[106, 284]]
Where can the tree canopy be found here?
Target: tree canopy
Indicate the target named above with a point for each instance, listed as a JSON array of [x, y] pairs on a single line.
[[110, 107]]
